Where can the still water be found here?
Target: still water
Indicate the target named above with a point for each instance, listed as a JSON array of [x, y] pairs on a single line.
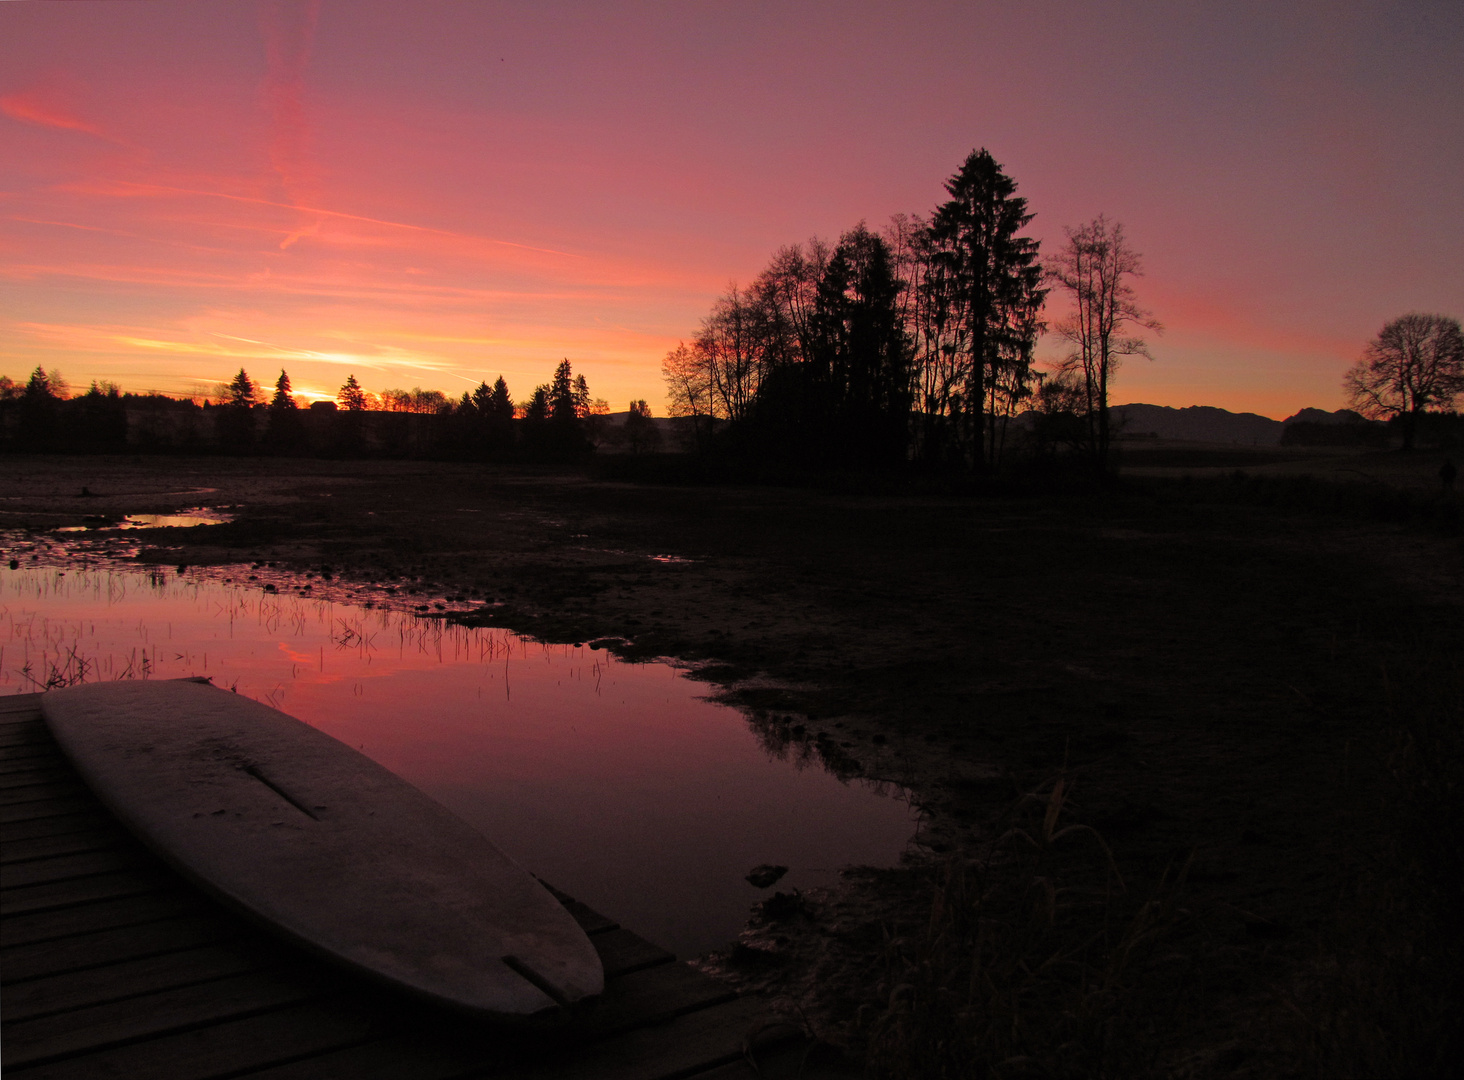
[[617, 782]]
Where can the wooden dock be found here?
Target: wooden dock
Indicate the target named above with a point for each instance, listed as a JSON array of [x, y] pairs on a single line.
[[111, 965]]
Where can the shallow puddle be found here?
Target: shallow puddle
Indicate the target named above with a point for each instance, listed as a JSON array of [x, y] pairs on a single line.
[[617, 782], [183, 519]]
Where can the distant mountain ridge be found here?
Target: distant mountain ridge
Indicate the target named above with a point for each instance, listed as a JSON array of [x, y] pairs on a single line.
[[1205, 423]]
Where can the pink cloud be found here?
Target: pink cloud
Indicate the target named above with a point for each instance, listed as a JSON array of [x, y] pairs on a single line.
[[29, 107]]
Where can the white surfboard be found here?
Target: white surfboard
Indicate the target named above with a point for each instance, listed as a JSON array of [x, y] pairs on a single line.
[[320, 843]]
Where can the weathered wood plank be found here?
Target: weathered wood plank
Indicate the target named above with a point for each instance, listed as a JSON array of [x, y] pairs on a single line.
[[65, 788], [31, 752], [590, 920], [792, 1059], [29, 764], [98, 915], [387, 1059], [694, 1041], [57, 894], [65, 867], [92, 818], [129, 978], [622, 952], [99, 1027], [652, 996], [46, 808], [80, 951], [40, 774], [25, 735], [226, 1049], [69, 843], [439, 1051]]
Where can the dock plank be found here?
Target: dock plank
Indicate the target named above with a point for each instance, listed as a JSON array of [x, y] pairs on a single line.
[[58, 894], [47, 808], [647, 998], [92, 817], [40, 773], [29, 752], [33, 848], [622, 952], [101, 1027], [31, 734], [694, 1041], [231, 1048], [64, 867], [39, 791], [98, 915], [129, 978], [83, 951], [35, 761], [652, 996]]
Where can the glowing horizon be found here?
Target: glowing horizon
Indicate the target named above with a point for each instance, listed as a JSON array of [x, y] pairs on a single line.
[[442, 196]]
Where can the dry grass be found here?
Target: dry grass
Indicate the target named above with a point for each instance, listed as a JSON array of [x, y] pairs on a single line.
[[1026, 965], [1383, 996], [1036, 961]]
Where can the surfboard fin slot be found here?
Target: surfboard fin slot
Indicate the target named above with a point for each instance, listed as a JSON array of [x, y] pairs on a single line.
[[253, 771], [529, 974]]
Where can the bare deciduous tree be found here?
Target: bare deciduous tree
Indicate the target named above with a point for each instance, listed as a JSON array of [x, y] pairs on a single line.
[[1415, 361], [688, 376], [1094, 268], [732, 339]]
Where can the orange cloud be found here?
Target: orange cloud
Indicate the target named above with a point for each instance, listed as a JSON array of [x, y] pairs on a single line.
[[28, 108]]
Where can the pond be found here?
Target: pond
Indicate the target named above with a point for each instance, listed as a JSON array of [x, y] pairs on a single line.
[[617, 782]]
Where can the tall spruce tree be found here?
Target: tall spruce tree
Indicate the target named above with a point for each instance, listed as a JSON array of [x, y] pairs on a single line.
[[283, 400], [499, 403], [986, 283], [351, 397]]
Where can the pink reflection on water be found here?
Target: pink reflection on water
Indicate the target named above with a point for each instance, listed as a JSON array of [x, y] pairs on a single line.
[[615, 781]]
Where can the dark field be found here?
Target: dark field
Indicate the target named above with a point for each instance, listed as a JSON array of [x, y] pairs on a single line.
[[1249, 689]]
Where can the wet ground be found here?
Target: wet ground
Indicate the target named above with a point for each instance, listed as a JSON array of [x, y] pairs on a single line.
[[1206, 671]]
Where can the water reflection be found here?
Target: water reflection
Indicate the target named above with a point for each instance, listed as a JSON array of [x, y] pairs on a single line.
[[182, 519], [615, 781]]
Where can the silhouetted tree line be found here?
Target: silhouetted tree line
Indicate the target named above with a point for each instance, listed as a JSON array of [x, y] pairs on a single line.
[[558, 422], [915, 344]]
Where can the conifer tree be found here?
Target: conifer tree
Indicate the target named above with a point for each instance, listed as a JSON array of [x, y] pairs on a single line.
[[499, 403], [351, 397], [241, 392], [986, 282], [483, 398], [282, 400], [561, 396]]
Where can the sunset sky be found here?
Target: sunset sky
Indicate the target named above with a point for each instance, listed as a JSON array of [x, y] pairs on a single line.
[[436, 193]]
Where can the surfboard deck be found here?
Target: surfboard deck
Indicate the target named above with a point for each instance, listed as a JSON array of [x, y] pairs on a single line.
[[318, 842]]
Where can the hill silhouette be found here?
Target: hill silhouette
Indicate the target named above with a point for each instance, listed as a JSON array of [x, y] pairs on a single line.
[[1205, 423]]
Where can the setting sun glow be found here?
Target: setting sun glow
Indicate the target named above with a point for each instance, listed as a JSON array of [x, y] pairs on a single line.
[[437, 194]]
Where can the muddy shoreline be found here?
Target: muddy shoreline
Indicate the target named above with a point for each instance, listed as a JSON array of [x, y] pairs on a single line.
[[1202, 671]]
